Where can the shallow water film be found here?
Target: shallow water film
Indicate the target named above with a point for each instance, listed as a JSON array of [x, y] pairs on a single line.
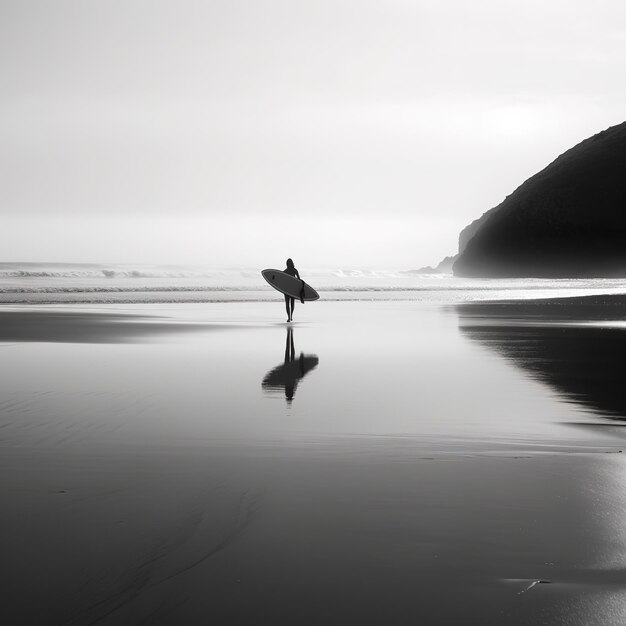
[[373, 462]]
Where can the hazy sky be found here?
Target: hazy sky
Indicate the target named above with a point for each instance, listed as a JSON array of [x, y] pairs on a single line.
[[343, 132]]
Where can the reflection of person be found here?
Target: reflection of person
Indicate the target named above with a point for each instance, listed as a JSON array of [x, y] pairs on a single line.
[[287, 375], [291, 382], [289, 301]]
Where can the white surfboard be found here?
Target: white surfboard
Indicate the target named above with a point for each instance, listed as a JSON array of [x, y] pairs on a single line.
[[289, 285]]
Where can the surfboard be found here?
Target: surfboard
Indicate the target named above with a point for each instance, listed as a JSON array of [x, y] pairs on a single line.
[[289, 285]]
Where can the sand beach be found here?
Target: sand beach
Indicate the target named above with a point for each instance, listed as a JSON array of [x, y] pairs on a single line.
[[436, 463]]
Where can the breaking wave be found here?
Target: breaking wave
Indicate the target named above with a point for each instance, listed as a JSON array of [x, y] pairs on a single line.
[[46, 283], [105, 272]]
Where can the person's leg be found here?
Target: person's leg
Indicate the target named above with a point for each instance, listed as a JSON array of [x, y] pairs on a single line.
[[293, 303], [287, 298]]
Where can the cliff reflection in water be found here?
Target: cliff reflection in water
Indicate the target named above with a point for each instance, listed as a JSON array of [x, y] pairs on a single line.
[[286, 376], [571, 344]]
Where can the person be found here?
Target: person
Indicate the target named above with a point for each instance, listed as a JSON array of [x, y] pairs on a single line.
[[289, 301]]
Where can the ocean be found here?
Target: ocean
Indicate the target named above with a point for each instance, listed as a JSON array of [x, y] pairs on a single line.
[[66, 283]]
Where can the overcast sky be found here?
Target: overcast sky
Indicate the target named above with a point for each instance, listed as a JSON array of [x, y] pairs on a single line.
[[342, 132]]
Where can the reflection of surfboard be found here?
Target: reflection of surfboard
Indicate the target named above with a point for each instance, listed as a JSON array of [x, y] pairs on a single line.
[[290, 373], [289, 285]]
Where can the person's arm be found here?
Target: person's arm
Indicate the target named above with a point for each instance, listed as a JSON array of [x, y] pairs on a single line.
[[298, 275]]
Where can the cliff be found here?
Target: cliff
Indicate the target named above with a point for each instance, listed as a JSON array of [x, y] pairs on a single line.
[[569, 220]]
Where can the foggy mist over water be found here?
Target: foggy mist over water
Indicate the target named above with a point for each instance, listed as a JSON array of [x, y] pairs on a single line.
[[339, 133]]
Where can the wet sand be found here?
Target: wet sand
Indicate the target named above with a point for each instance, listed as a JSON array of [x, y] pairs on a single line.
[[434, 465]]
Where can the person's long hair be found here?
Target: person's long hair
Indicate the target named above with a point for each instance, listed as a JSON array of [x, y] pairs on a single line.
[[289, 263]]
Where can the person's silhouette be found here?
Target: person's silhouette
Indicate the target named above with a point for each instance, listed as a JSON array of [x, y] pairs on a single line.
[[289, 301]]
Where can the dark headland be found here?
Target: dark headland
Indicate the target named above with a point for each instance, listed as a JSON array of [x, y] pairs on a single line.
[[568, 220]]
